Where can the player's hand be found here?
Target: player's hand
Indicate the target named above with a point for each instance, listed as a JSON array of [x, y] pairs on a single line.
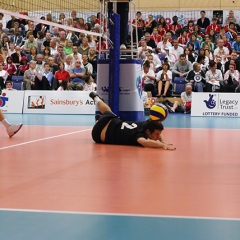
[[169, 147]]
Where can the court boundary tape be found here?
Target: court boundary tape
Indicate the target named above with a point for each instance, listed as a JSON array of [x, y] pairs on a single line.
[[118, 214], [42, 139]]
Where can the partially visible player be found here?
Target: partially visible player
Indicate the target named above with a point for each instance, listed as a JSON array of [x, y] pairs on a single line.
[[10, 128], [110, 129]]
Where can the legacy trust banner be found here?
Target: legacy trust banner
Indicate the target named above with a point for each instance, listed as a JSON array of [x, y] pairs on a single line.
[[216, 104]]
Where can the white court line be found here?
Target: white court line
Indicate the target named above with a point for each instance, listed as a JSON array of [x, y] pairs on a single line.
[[117, 214], [42, 139]]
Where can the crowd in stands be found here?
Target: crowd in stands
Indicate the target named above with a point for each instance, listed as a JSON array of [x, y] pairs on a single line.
[[47, 57], [205, 54]]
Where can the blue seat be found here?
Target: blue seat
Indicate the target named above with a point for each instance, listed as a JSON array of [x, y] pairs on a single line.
[[17, 79], [179, 84], [162, 56], [17, 85]]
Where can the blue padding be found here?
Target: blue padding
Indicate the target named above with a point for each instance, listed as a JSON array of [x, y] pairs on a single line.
[[132, 115], [130, 61]]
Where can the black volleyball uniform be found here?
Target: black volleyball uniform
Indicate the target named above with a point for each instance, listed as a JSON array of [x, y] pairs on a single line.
[[118, 132]]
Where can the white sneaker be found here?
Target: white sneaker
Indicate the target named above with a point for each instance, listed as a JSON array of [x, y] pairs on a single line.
[[13, 129], [123, 47]]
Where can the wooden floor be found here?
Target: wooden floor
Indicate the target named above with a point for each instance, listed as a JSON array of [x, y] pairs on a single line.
[[58, 168]]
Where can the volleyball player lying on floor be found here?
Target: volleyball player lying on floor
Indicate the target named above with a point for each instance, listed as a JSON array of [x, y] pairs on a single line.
[[110, 129], [11, 129]]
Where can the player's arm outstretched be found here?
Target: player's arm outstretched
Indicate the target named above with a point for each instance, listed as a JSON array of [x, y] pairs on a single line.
[[155, 144]]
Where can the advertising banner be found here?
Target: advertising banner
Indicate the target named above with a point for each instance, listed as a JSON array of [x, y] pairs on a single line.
[[11, 101], [215, 104], [58, 102]]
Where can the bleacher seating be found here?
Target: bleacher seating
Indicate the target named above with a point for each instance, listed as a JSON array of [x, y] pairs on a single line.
[[178, 85]]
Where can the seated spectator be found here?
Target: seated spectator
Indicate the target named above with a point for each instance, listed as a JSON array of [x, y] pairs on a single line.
[[220, 46], [187, 98], [53, 47], [176, 49], [2, 20], [104, 45], [149, 57], [230, 15], [76, 76], [46, 42], [76, 55], [52, 65], [17, 38], [190, 26], [170, 58], [142, 49], [236, 44], [24, 65], [39, 63], [213, 26], [88, 66], [213, 78], [155, 36], [89, 85], [208, 53], [68, 48], [231, 30], [233, 59], [212, 36], [203, 61], [155, 59], [3, 76], [92, 58], [148, 78], [2, 56], [189, 56], [29, 76], [203, 22], [198, 33], [163, 22], [163, 78], [183, 38], [161, 30], [32, 54], [10, 67], [84, 48], [163, 44], [222, 33], [59, 76], [4, 42], [64, 86], [231, 79], [62, 38], [9, 86], [175, 27], [149, 41], [191, 48], [11, 49], [10, 22], [31, 42], [60, 56], [182, 67], [194, 41], [222, 56], [196, 78], [150, 24], [43, 79], [46, 54], [209, 43], [68, 64]]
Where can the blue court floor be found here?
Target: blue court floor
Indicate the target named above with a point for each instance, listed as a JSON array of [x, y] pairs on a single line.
[[20, 224]]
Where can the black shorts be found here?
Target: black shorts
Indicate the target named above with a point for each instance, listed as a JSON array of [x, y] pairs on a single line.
[[100, 124]]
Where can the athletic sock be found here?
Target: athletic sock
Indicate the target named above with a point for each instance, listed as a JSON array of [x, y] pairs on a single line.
[[5, 123], [97, 99]]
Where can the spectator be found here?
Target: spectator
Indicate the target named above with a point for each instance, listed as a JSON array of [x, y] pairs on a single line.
[[231, 15], [176, 49], [190, 26], [149, 41], [31, 42], [213, 78], [55, 33], [231, 30], [75, 54], [183, 39], [3, 76], [89, 84], [236, 44], [32, 54], [88, 66], [52, 65], [203, 60], [148, 78], [155, 59], [29, 76], [194, 41], [155, 36], [231, 79], [163, 45], [233, 59], [76, 76], [17, 38], [138, 23], [149, 57], [46, 42], [93, 21], [68, 47], [150, 24], [164, 24], [213, 26], [209, 43], [196, 78], [11, 22], [142, 49], [189, 56], [43, 78], [182, 67], [62, 38], [186, 98], [10, 67], [2, 20], [68, 64], [91, 42], [53, 47], [163, 79], [220, 46], [46, 54], [203, 22], [64, 86], [9, 86], [39, 63], [60, 56], [170, 58], [74, 15], [24, 65], [59, 76], [84, 48], [175, 27]]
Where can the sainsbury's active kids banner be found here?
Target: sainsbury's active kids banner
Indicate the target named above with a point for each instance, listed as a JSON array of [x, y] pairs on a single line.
[[11, 101], [58, 102], [215, 104]]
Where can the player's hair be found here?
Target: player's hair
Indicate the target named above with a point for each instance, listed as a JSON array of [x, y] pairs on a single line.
[[152, 125]]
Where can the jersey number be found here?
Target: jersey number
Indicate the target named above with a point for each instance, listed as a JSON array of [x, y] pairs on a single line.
[[126, 125]]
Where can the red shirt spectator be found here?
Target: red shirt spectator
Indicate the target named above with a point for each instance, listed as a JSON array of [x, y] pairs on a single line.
[[213, 26], [155, 36], [10, 67], [61, 75]]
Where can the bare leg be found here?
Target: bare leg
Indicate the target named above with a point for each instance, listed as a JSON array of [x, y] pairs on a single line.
[[167, 84], [103, 107], [159, 88], [175, 105], [1, 115]]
